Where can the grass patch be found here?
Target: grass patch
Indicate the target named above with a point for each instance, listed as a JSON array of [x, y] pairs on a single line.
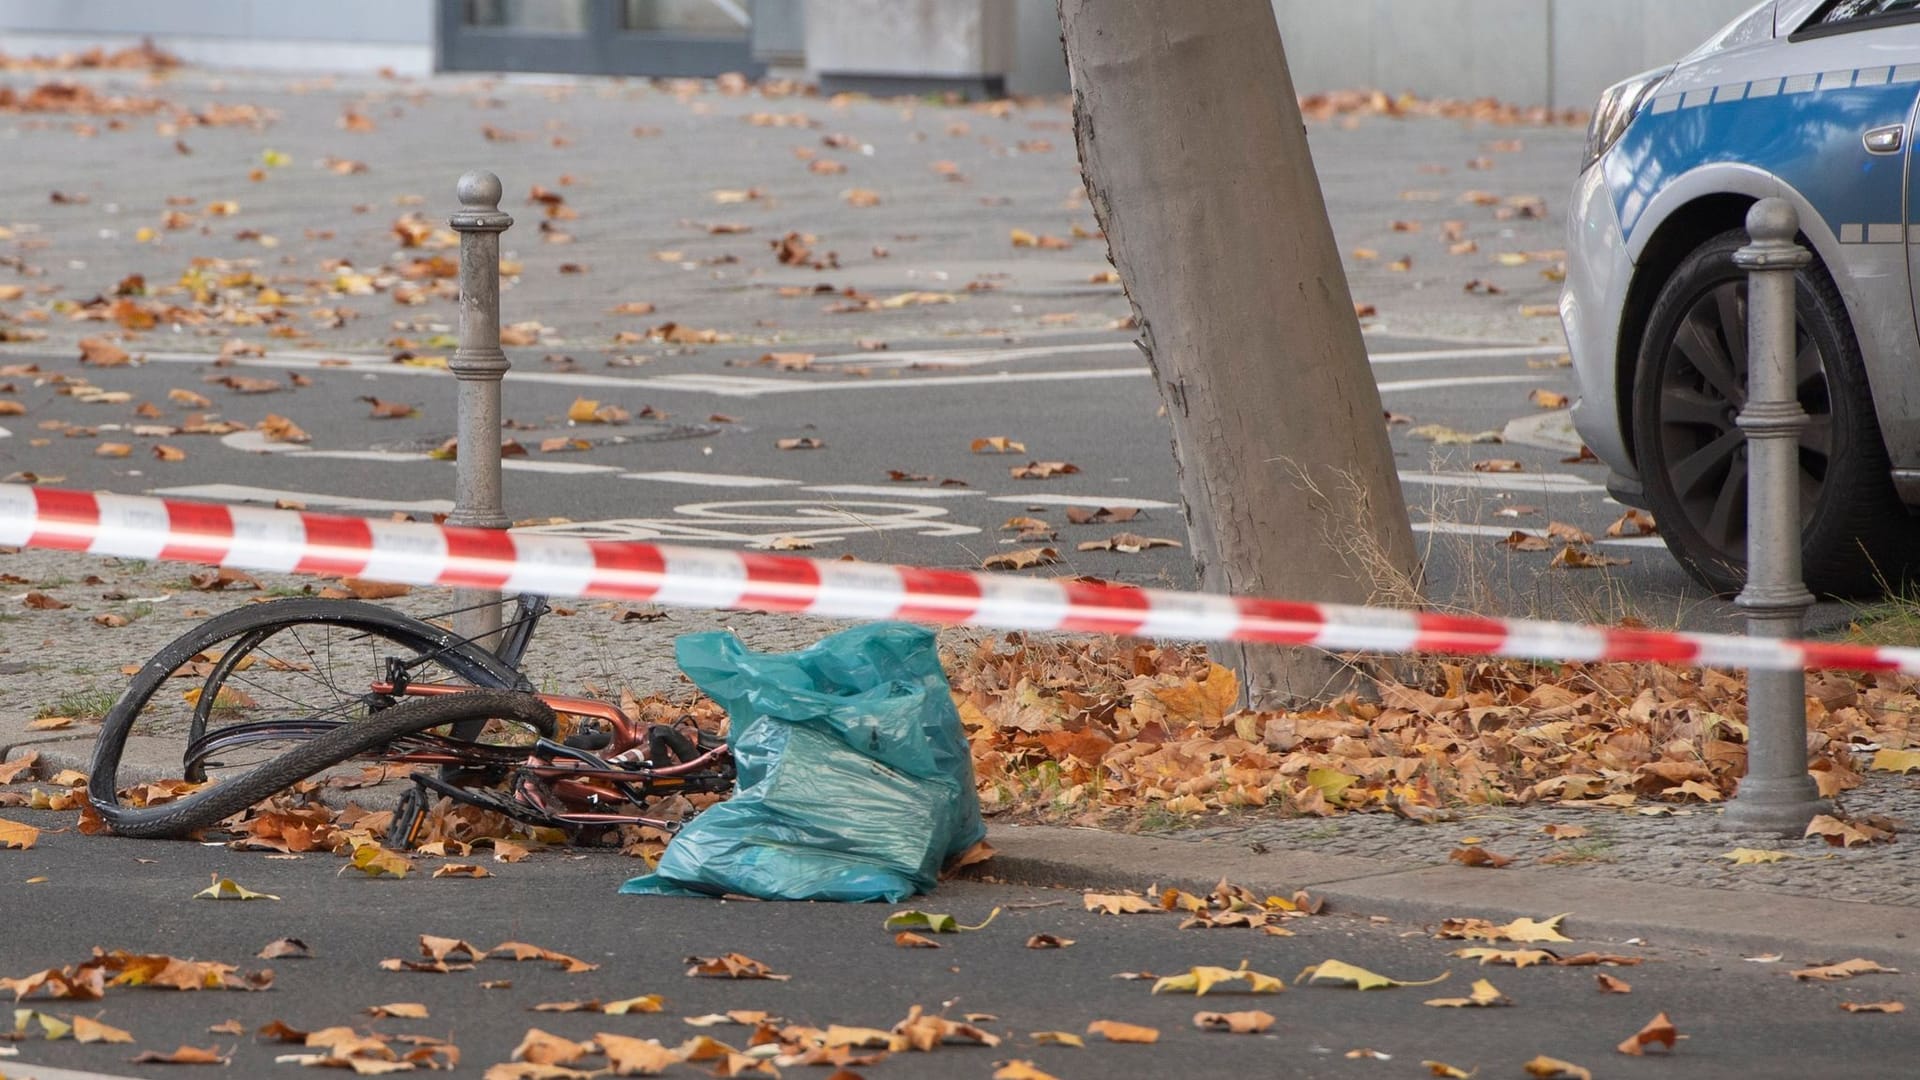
[[1582, 853], [1893, 621], [91, 703]]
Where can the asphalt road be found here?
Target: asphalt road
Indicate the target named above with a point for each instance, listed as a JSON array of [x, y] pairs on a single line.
[[1740, 1019]]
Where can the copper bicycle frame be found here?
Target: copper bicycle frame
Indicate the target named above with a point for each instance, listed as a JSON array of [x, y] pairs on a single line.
[[572, 782]]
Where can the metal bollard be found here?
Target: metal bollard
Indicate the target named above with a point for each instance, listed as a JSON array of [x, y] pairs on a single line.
[[1777, 794], [479, 365]]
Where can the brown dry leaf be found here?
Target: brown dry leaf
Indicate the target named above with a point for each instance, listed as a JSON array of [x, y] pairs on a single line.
[[1451, 1072], [731, 966], [1049, 941], [1019, 1069], [543, 1048], [40, 601], [521, 951], [88, 1030], [1475, 855], [446, 948], [1873, 1006], [1119, 904], [467, 870], [403, 1010], [1022, 559], [1080, 515], [1042, 470], [362, 589], [286, 948], [1127, 544], [1249, 1022], [1120, 1032], [1547, 1068], [1611, 985], [1482, 995], [1526, 931], [804, 442], [16, 834], [103, 353], [163, 452], [1846, 969], [1498, 465], [113, 450], [224, 577], [628, 1056], [1564, 832], [185, 1055], [1573, 558], [390, 410], [11, 770], [997, 444], [1639, 521], [278, 428], [1846, 833], [787, 361], [1657, 1030], [909, 940]]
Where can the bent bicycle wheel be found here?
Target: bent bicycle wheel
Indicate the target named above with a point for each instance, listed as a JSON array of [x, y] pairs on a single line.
[[248, 685], [209, 805]]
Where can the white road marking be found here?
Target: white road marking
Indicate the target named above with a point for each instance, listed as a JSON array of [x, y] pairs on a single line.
[[751, 386], [971, 357], [5, 434], [1545, 483], [757, 523], [893, 492], [246, 493], [1455, 528], [579, 468], [1116, 501], [711, 479], [1484, 352]]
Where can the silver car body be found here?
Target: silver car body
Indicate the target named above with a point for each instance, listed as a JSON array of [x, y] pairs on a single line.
[[1750, 114]]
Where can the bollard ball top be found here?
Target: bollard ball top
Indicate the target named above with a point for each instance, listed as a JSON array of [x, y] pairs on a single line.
[[1773, 220], [479, 190]]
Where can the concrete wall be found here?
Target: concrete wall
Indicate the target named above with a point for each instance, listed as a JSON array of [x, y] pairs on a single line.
[[334, 35], [1533, 52]]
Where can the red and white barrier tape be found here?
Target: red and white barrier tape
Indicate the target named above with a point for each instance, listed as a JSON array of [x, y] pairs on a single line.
[[414, 553]]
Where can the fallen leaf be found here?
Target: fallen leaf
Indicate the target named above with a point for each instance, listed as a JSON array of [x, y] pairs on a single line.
[[628, 1056], [1846, 969], [1573, 558], [1339, 971], [1610, 985], [1754, 856], [1198, 981], [40, 601], [731, 966], [87, 1030], [1639, 521], [1020, 1070], [376, 861], [1846, 833], [542, 1048], [908, 940], [939, 924], [1517, 957], [1482, 995], [1564, 832], [1657, 1030], [185, 1055], [226, 889], [468, 870], [1127, 544], [1058, 1038], [1478, 856], [403, 1010], [1117, 1031], [997, 444], [103, 353], [804, 442], [1048, 941], [1250, 1022], [1498, 465], [1441, 1068], [1547, 1068], [14, 834], [1022, 559], [1042, 470], [286, 948], [1850, 1006]]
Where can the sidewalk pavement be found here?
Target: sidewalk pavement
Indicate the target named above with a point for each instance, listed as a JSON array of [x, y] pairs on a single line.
[[1602, 906]]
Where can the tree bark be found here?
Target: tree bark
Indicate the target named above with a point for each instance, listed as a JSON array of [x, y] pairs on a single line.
[[1196, 163]]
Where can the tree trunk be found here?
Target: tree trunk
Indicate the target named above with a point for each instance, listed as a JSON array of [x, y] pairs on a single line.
[[1196, 162]]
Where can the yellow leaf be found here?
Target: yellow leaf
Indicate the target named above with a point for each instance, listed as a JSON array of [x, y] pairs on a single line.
[[1360, 978], [1197, 702], [1117, 1031], [1900, 761], [1528, 930], [1197, 981], [1517, 957], [939, 924], [274, 159], [375, 860], [51, 1027], [645, 1003], [1330, 782], [1482, 995], [1058, 1038], [1021, 1070], [1441, 1068], [226, 889], [1743, 856], [402, 1010]]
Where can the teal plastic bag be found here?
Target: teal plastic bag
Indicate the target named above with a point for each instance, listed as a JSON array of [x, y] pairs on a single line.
[[855, 781]]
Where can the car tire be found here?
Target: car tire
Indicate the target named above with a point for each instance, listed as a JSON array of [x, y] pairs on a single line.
[[1688, 386]]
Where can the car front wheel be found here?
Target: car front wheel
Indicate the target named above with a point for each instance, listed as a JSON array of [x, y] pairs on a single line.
[[1689, 388]]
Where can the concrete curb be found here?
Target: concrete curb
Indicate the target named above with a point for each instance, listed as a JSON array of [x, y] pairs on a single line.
[[1602, 909]]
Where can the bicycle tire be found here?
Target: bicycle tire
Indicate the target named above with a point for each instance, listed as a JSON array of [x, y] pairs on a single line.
[[257, 622], [209, 806]]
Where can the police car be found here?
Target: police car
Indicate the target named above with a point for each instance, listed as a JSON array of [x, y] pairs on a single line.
[[1812, 101]]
